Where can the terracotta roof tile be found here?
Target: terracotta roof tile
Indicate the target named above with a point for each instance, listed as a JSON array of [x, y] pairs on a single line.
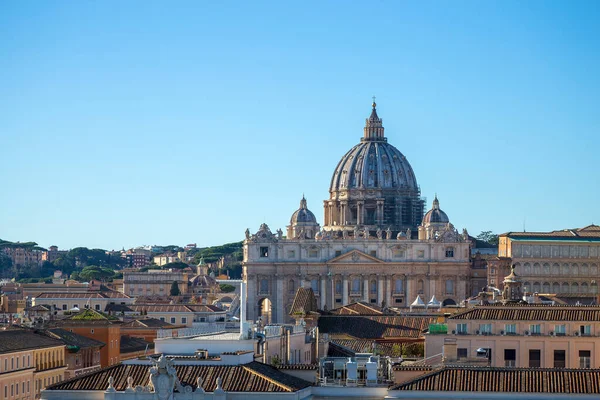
[[251, 377], [530, 312], [523, 380], [358, 308], [21, 339], [375, 327], [304, 301]]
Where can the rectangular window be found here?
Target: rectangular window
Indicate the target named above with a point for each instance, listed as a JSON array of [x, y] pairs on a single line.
[[162, 319], [420, 253], [64, 306], [97, 307], [560, 359], [585, 330], [398, 253], [510, 329], [560, 330], [313, 253], [585, 359], [535, 358], [510, 358], [264, 251], [450, 252], [373, 253], [291, 253], [314, 285], [172, 320], [462, 353], [183, 320], [338, 253], [461, 329], [485, 329], [535, 329]]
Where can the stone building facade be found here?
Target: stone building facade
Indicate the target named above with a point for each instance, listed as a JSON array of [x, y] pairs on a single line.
[[558, 262], [375, 245]]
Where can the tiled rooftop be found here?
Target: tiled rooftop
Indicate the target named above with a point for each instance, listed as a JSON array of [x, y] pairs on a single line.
[[588, 232], [375, 327], [358, 308], [518, 380], [146, 323], [21, 339], [73, 339], [304, 301], [530, 312], [251, 377], [88, 295]]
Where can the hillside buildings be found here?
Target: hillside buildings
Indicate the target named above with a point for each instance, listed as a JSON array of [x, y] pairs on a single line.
[[375, 244], [154, 282]]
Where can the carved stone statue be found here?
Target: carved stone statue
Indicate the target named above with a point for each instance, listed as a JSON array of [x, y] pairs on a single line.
[[247, 233], [301, 234], [379, 234], [318, 235], [408, 234], [355, 232], [388, 233], [279, 234], [163, 379], [344, 234]]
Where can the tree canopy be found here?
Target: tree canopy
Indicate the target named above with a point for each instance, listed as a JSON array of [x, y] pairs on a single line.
[[174, 289], [488, 237]]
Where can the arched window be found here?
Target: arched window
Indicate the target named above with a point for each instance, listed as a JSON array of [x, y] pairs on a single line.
[[574, 270], [398, 286], [527, 287], [575, 287], [546, 288], [546, 269], [519, 269], [449, 286], [264, 285], [583, 288], [555, 287], [292, 285], [555, 269], [338, 286], [420, 286], [537, 269], [373, 286], [565, 288], [536, 287], [594, 287], [356, 285], [526, 269], [565, 269], [594, 270], [584, 270]]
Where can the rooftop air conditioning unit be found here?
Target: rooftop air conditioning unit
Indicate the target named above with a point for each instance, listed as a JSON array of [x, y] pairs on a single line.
[[453, 332], [577, 333], [551, 333], [477, 332], [527, 333], [502, 333]]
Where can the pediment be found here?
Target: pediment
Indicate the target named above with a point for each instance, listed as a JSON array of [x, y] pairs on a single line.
[[355, 257]]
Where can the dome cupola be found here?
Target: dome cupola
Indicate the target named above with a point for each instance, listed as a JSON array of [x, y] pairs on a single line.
[[435, 215], [373, 185], [303, 223]]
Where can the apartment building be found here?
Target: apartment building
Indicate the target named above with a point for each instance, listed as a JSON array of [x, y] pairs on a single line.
[[154, 282], [97, 301], [522, 335], [28, 363]]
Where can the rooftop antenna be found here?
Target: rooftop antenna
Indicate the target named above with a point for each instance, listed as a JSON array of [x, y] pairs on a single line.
[[524, 220]]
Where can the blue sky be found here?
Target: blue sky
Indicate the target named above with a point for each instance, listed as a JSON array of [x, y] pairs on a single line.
[[141, 122]]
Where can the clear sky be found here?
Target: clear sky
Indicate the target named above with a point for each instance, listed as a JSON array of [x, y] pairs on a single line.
[[151, 122]]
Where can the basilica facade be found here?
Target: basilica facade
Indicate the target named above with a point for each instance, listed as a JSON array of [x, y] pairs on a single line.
[[375, 244]]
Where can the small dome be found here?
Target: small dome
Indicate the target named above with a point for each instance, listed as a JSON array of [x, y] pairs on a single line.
[[435, 215], [303, 214]]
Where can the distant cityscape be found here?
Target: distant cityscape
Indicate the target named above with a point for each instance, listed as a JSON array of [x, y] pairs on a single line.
[[384, 300]]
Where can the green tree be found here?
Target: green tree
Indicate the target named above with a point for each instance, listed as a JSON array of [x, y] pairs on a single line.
[[488, 237], [174, 289], [96, 272], [226, 288]]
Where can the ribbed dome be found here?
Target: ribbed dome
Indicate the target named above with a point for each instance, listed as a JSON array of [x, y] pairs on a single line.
[[435, 215], [303, 214], [373, 164]]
